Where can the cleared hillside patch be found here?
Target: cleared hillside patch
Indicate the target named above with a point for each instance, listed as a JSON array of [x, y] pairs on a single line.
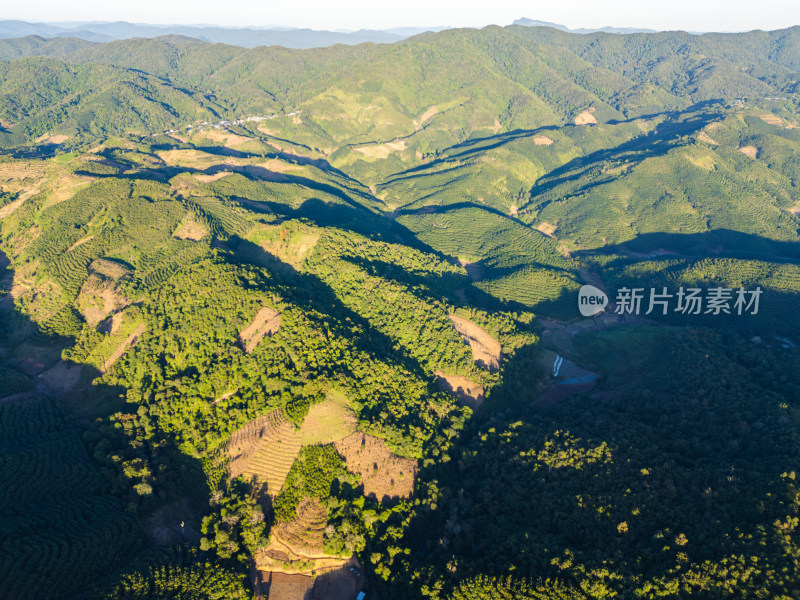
[[485, 349], [384, 475], [546, 228], [585, 118], [750, 151], [99, 297], [190, 228], [266, 322], [382, 151]]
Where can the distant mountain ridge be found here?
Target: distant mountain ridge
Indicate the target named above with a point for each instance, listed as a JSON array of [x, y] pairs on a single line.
[[536, 23], [237, 36]]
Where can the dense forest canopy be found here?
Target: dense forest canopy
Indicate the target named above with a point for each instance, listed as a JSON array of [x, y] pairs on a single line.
[[276, 319]]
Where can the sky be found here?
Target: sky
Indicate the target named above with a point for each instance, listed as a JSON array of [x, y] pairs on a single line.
[[692, 15]]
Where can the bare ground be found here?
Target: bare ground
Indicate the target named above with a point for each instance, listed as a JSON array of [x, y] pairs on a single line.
[[382, 151], [284, 586], [231, 140], [750, 151], [546, 228], [99, 298], [341, 584], [473, 269], [542, 140], [772, 119], [426, 116], [203, 178], [468, 392], [384, 475], [63, 376], [9, 209], [486, 350], [266, 322], [190, 229], [704, 137], [108, 268], [585, 118]]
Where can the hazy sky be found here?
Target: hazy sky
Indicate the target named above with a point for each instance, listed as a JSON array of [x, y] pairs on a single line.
[[705, 15]]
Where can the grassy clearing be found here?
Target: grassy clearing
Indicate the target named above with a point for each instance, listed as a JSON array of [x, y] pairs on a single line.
[[329, 421]]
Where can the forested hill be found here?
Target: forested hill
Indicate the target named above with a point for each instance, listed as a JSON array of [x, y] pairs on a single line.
[[275, 319], [523, 76]]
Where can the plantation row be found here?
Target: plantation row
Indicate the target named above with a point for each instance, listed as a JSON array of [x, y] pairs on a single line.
[[61, 531]]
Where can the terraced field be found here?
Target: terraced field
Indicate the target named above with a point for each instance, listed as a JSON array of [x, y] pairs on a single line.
[[265, 449]]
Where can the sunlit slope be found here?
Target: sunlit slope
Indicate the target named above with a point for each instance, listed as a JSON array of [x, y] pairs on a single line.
[[39, 96]]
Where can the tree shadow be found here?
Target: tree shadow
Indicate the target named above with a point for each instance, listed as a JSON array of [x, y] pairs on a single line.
[[667, 135], [717, 243], [631, 481], [57, 412], [310, 293]]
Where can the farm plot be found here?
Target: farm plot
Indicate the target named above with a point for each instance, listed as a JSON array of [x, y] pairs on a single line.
[[265, 449]]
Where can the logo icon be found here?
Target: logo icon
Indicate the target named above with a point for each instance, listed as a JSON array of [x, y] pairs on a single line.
[[591, 301]]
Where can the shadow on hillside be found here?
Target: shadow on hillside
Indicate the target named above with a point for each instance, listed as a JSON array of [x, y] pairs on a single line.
[[462, 205], [695, 451], [31, 366], [457, 289], [473, 147], [345, 212], [666, 136], [69, 503], [312, 294], [717, 243]]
